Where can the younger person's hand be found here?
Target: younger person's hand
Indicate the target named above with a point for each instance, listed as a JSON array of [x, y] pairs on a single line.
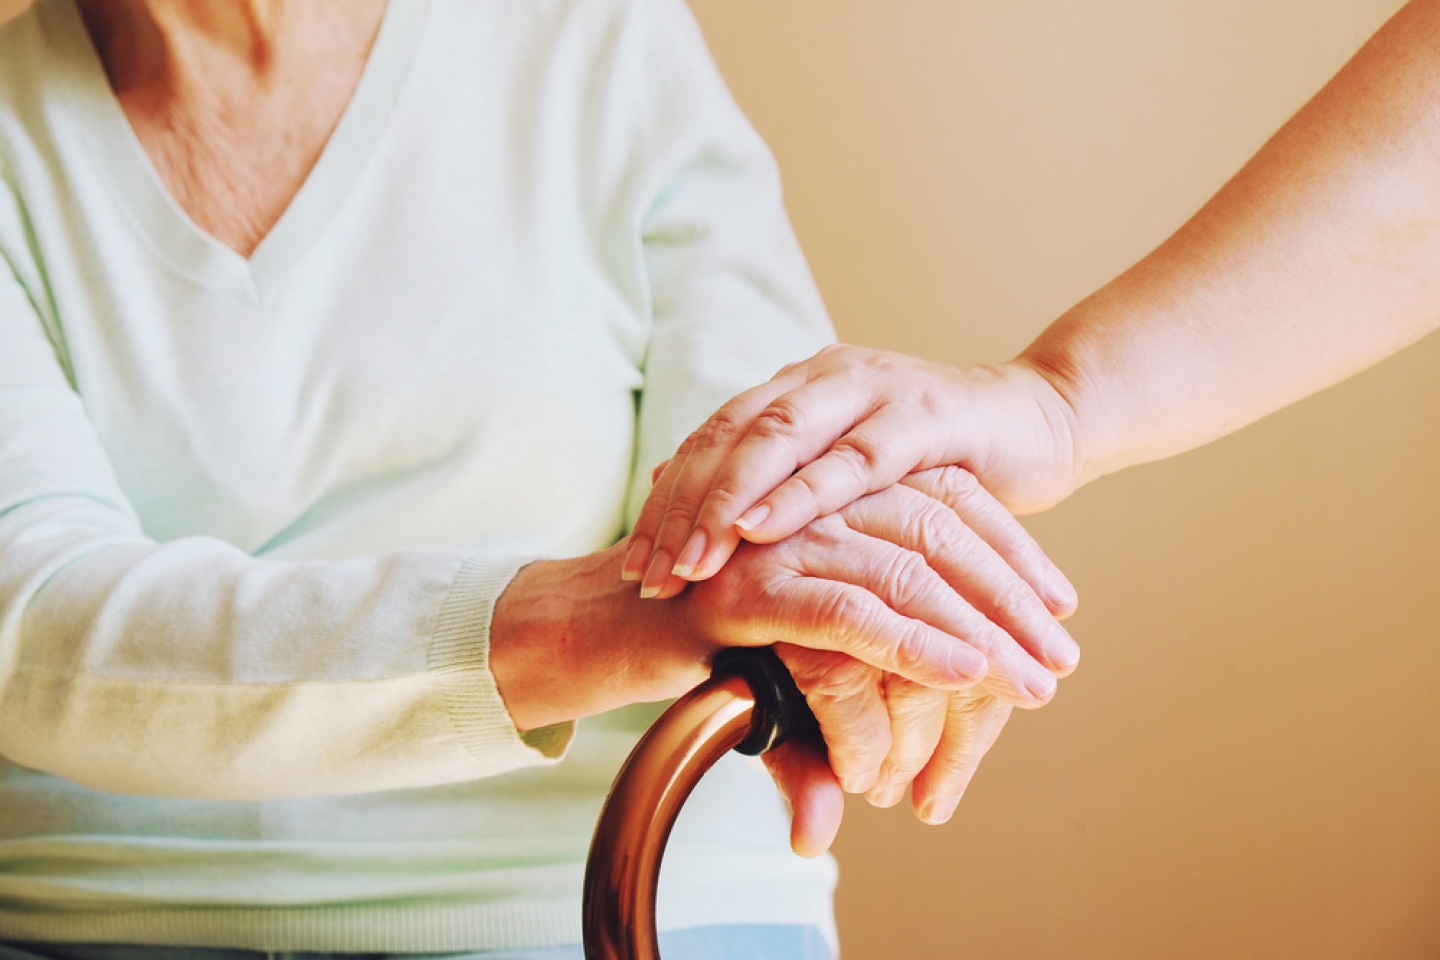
[[847, 422]]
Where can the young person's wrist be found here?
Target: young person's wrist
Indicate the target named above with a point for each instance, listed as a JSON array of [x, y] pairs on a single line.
[[1063, 391]]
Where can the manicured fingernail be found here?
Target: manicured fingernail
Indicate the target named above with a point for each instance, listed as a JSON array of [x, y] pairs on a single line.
[[753, 517], [633, 566], [887, 797], [860, 783], [1060, 591], [966, 661], [691, 556], [1040, 683], [940, 810], [657, 574]]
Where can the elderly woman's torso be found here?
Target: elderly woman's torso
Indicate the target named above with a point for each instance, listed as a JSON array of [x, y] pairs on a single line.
[[416, 345]]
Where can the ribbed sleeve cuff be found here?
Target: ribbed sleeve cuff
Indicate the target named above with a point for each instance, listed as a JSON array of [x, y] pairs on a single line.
[[460, 656]]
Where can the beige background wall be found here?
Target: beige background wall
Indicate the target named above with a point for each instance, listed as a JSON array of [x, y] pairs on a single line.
[[1247, 763]]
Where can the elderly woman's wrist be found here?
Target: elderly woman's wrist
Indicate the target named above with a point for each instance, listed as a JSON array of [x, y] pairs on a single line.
[[533, 651], [569, 639]]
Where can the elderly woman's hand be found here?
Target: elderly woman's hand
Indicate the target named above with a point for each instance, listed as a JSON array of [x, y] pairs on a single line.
[[939, 741], [885, 608], [936, 738]]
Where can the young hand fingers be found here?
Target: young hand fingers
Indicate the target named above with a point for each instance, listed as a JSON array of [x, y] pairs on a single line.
[[703, 521], [874, 452], [642, 537], [669, 513], [713, 433]]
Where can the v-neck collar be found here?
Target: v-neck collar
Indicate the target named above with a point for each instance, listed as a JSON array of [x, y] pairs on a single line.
[[79, 77]]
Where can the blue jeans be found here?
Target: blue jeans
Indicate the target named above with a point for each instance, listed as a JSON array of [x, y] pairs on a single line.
[[702, 943]]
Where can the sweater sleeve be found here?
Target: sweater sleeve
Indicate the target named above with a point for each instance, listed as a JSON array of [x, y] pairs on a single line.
[[190, 668], [731, 297]]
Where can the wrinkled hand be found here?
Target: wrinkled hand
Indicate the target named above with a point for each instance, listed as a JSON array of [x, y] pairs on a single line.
[[931, 564], [882, 610], [968, 724], [847, 422]]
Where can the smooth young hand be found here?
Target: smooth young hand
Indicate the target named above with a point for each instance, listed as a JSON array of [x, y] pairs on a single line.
[[847, 422]]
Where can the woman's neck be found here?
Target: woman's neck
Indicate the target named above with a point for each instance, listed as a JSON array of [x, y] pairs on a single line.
[[233, 100]]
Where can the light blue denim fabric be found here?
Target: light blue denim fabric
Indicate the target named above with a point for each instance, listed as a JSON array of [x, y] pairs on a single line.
[[702, 943]]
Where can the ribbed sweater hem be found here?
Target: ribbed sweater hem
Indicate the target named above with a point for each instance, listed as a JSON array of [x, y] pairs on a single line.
[[803, 887], [460, 656], [413, 927]]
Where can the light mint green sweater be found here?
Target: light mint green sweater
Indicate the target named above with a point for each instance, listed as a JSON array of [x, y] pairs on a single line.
[[254, 514]]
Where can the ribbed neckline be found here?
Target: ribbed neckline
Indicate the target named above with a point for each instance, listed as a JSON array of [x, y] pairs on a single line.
[[76, 74]]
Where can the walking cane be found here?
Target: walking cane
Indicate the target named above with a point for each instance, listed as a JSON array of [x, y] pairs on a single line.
[[751, 705]]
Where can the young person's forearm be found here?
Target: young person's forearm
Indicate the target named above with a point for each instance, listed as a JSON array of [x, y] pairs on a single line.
[[1320, 258]]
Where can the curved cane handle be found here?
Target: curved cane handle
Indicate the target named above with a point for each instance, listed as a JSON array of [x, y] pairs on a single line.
[[750, 704]]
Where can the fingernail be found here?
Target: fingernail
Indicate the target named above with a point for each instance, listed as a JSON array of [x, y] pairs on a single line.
[[1062, 650], [691, 555], [753, 517], [887, 797], [940, 810], [633, 566], [966, 661], [656, 575], [860, 783], [1060, 591], [1040, 683]]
